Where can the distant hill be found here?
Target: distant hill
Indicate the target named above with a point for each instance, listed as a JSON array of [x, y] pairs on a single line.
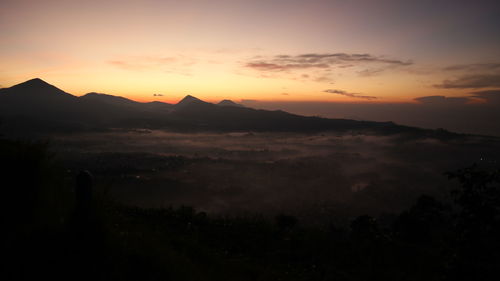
[[126, 103], [229, 103], [38, 106], [109, 99]]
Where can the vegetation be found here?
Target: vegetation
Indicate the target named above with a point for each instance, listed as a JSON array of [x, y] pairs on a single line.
[[43, 237]]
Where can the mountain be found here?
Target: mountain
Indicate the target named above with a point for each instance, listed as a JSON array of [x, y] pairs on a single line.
[[190, 102], [35, 105], [158, 105], [109, 99], [34, 93], [229, 103], [38, 106], [125, 103], [25, 90]]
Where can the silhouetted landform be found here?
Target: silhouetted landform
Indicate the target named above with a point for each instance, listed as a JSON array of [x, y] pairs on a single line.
[[38, 106], [430, 240], [229, 103]]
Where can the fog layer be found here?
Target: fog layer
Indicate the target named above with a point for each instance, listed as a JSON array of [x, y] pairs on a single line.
[[317, 177]]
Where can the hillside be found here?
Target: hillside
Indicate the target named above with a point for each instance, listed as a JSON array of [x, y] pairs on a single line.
[[38, 106]]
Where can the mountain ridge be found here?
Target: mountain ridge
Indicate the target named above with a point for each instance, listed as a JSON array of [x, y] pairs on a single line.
[[227, 102], [102, 111]]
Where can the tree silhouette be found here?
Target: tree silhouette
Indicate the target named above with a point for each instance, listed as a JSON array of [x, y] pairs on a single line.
[[477, 247]]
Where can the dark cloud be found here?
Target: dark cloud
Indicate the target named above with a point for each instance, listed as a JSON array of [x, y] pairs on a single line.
[[474, 67], [371, 71], [303, 61], [282, 67], [472, 82], [442, 100], [491, 97], [324, 79], [158, 95], [342, 58], [352, 95]]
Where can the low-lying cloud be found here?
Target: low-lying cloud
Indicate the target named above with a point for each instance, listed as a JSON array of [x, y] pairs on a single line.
[[316, 177], [441, 100], [474, 81], [474, 67], [352, 95], [492, 97]]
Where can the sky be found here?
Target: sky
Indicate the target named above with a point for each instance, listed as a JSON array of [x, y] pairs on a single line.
[[340, 51]]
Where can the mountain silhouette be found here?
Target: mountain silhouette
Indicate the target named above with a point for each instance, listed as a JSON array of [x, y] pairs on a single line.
[[229, 103], [109, 99], [44, 89], [35, 93], [188, 100], [190, 103], [125, 103], [36, 105]]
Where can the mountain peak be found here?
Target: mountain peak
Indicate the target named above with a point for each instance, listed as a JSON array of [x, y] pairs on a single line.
[[36, 79], [36, 88], [189, 99], [229, 103], [35, 82]]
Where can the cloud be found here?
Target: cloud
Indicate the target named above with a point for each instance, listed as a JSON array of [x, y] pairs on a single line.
[[491, 97], [372, 71], [158, 95], [442, 100], [324, 79], [352, 95], [282, 67], [471, 82], [321, 66], [474, 67], [313, 60]]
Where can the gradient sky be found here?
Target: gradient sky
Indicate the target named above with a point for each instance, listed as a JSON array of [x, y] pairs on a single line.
[[267, 50]]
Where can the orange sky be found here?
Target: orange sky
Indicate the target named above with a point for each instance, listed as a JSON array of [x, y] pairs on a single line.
[[345, 51]]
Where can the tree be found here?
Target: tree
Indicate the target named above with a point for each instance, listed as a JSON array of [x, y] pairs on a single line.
[[477, 227]]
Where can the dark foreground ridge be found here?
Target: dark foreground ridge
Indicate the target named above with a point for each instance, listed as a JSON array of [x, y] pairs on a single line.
[[48, 232], [36, 106]]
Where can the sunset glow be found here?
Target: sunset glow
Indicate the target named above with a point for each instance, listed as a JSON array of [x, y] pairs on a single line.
[[337, 51]]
